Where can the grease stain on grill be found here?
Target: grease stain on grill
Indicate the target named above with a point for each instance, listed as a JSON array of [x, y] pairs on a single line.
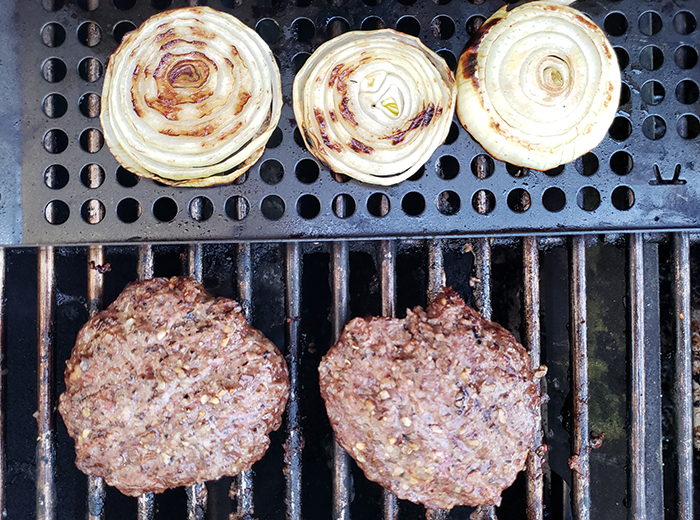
[[92, 175], [272, 207], [121, 28], [56, 177], [53, 34], [92, 211], [200, 208], [448, 203], [237, 207], [90, 69], [484, 202], [54, 106], [54, 70], [308, 207], [89, 34], [164, 209], [588, 198], [378, 205], [128, 210], [343, 206]]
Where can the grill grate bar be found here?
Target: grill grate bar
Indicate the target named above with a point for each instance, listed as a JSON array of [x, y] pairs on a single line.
[[341, 462], [45, 450], [244, 274], [3, 510], [683, 394], [96, 485], [638, 379], [531, 295], [579, 330], [294, 441]]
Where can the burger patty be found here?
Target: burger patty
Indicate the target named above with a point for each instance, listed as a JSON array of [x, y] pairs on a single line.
[[438, 407], [170, 387]]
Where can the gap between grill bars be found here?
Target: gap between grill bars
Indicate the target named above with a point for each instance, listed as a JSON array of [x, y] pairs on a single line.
[[645, 479]]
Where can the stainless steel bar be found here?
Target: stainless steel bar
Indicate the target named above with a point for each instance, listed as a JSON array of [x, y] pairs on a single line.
[[481, 248], [244, 275], [3, 510], [579, 338], [145, 506], [45, 449], [197, 494], [531, 296], [340, 271], [683, 390], [387, 251], [436, 514], [96, 259], [294, 443], [637, 462]]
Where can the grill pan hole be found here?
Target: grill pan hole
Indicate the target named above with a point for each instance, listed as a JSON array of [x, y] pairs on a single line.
[[484, 202], [271, 172], [303, 3], [622, 198], [447, 167], [483, 166], [308, 207], [298, 139], [272, 207], [453, 134], [623, 59], [161, 4], [54, 106], [448, 203], [519, 200], [303, 29], [554, 199], [442, 2], [408, 25], [341, 177], [419, 173], [407, 2], [517, 171], [686, 57], [615, 24], [92, 175], [449, 58], [654, 127], [126, 178], [378, 205], [653, 93], [684, 22], [337, 26], [298, 61], [343, 205], [124, 5], [91, 140], [52, 5], [53, 34], [443, 27], [268, 29], [121, 28], [201, 208], [56, 212], [474, 23], [588, 198], [620, 129], [687, 92], [650, 23], [128, 210], [56, 177], [587, 164], [89, 34], [54, 70], [275, 138], [372, 23], [90, 104], [164, 209], [55, 141], [555, 172], [688, 126], [476, 2], [372, 3], [413, 204], [88, 5], [651, 57], [90, 69], [92, 211], [307, 171], [621, 163], [624, 94], [237, 208]]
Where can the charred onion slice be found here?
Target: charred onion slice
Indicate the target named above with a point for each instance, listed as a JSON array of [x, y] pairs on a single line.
[[539, 85], [190, 98], [374, 105]]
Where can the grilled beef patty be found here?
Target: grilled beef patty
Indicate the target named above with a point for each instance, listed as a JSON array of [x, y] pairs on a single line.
[[170, 387], [438, 407]]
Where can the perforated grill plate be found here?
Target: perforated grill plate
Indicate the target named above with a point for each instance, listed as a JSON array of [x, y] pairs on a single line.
[[642, 176]]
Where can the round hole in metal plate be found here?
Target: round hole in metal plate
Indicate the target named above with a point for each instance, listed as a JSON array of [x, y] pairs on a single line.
[[623, 58], [161, 4], [372, 3], [298, 61], [476, 2], [303, 29], [372, 23], [519, 200], [89, 34], [447, 167], [275, 138], [621, 163], [272, 172], [54, 106], [56, 176], [474, 23], [653, 92], [343, 205], [443, 27], [56, 212], [588, 198], [449, 58], [651, 57], [124, 5], [92, 211], [686, 57], [378, 205], [91, 140], [337, 26], [622, 198], [408, 25], [92, 175], [615, 24], [688, 126], [237, 207], [53, 34], [201, 208], [620, 129], [687, 92], [419, 174], [684, 22], [654, 127], [442, 2], [88, 5], [413, 204], [484, 202], [121, 28], [52, 5], [272, 207], [268, 29], [90, 69], [165, 209], [303, 3], [453, 134], [483, 166], [126, 178], [448, 203], [625, 94], [241, 178], [128, 210], [407, 2], [55, 141], [341, 177], [90, 104], [307, 171], [554, 172], [587, 164], [54, 70], [650, 23], [517, 171], [308, 207], [298, 139], [554, 199]]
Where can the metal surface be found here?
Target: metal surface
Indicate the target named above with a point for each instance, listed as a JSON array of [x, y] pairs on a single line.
[[3, 510], [651, 196]]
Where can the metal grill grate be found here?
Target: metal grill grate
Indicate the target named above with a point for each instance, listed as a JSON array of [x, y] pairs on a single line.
[[349, 278]]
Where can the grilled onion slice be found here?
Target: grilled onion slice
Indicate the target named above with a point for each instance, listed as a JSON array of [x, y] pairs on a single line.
[[190, 98], [374, 105], [539, 85]]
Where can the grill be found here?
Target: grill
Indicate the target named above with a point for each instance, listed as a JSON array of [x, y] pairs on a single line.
[[589, 265]]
